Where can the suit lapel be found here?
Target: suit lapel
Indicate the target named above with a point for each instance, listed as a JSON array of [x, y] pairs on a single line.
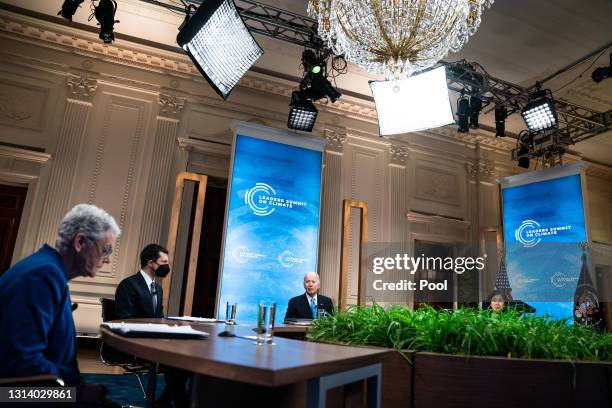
[[146, 294], [306, 305]]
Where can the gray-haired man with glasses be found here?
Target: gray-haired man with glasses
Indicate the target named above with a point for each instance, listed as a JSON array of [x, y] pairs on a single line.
[[38, 333]]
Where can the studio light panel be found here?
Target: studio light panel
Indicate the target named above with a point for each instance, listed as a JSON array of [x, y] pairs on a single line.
[[540, 115], [416, 103], [302, 117], [219, 44]]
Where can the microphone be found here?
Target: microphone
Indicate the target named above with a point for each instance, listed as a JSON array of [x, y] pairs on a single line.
[[74, 306]]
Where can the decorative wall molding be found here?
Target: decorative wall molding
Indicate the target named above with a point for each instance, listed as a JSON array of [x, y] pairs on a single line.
[[202, 146], [595, 170], [81, 87], [18, 153], [398, 154], [419, 218], [439, 185], [23, 166], [171, 106], [11, 111], [330, 224], [23, 104], [159, 175], [335, 140], [63, 170], [479, 170]]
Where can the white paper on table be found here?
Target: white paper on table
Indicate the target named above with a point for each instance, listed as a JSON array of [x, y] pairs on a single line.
[[194, 319], [159, 329]]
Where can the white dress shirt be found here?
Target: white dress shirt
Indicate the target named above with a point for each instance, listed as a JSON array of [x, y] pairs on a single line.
[[147, 279]]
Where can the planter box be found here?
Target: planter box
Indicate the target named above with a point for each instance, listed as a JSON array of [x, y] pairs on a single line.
[[441, 380], [436, 380]]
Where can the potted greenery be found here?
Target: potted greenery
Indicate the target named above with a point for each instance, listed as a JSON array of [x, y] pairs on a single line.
[[471, 357]]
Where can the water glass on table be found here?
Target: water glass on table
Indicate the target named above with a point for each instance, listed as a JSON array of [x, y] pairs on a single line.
[[230, 314], [265, 322]]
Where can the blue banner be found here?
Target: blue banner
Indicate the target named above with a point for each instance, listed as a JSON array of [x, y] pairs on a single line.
[[272, 224], [543, 225]]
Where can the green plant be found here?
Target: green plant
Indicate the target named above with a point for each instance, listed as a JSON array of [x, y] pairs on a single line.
[[464, 332]]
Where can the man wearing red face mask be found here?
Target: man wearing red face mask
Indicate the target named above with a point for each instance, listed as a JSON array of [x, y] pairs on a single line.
[[139, 296]]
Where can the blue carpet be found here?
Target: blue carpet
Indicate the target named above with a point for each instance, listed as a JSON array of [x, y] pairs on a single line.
[[124, 389]]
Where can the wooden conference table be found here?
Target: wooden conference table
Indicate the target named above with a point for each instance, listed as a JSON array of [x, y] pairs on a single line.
[[233, 371]]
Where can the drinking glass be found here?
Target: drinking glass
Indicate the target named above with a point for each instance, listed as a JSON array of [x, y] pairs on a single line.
[[230, 313], [265, 322]]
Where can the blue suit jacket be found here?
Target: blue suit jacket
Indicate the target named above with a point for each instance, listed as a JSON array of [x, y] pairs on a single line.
[[36, 325]]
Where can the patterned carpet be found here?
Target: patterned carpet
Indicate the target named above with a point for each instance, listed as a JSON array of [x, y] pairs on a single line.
[[124, 389]]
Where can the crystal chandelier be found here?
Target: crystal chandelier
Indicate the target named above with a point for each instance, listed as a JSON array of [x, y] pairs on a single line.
[[396, 38]]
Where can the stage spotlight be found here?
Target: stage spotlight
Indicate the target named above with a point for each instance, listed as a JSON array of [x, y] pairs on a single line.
[[219, 44], [602, 73], [105, 14], [69, 8], [415, 103], [523, 162], [501, 113], [312, 63], [302, 113], [314, 84], [475, 108], [539, 113], [319, 87], [463, 110]]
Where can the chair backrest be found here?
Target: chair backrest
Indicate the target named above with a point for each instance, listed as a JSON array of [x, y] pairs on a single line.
[[109, 355], [108, 309]]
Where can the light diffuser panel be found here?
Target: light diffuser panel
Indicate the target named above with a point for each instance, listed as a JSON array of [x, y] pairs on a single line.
[[219, 44], [416, 103]]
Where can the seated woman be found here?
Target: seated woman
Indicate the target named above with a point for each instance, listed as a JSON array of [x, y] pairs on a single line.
[[497, 301]]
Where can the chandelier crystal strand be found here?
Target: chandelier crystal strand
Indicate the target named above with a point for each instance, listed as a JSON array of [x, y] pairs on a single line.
[[396, 38]]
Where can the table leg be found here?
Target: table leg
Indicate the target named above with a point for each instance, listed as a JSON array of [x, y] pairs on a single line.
[[151, 384], [318, 387], [195, 390]]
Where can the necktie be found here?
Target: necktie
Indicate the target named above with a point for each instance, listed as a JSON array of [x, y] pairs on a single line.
[[313, 308], [154, 297]]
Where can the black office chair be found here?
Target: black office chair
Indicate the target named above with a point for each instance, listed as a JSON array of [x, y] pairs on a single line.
[[113, 357]]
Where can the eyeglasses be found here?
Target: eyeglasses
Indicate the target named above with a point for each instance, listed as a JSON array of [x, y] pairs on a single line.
[[106, 251]]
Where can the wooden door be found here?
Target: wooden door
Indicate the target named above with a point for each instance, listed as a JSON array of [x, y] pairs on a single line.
[[12, 199]]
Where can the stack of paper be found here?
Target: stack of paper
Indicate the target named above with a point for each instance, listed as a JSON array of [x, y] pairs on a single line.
[[154, 330]]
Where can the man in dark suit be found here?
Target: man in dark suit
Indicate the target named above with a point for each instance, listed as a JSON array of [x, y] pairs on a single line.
[[139, 296], [38, 332], [306, 306]]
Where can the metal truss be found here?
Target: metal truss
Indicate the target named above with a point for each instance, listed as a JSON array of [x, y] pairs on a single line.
[[575, 123], [580, 123], [263, 19], [279, 24]]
